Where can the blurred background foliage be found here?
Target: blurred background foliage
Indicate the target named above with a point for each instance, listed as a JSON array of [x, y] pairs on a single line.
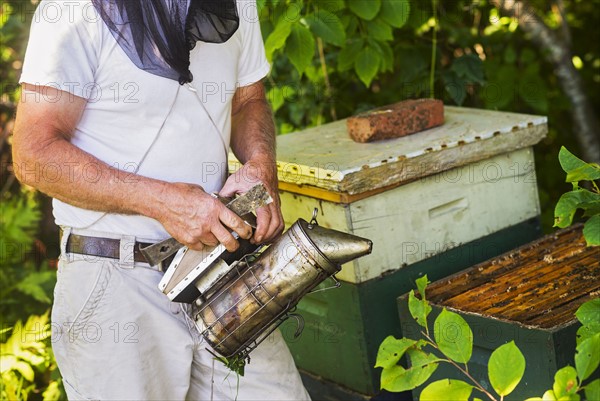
[[332, 59]]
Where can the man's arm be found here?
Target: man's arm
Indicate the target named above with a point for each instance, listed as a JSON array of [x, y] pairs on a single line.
[[253, 143], [42, 136]]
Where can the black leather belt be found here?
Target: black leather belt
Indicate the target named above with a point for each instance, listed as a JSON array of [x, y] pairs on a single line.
[[106, 248]]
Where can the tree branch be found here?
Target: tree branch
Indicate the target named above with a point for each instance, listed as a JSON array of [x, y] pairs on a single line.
[[558, 53], [559, 8]]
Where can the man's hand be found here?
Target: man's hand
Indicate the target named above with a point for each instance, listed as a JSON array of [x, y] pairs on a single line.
[[196, 218], [269, 219]]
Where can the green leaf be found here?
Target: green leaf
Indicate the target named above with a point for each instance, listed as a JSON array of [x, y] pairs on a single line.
[[278, 95], [25, 370], [506, 368], [276, 99], [377, 29], [20, 217], [367, 65], [365, 9], [568, 161], [589, 312], [391, 350], [300, 47], [470, 68], [277, 38], [387, 59], [455, 390], [33, 285], [587, 331], [565, 382], [327, 26], [7, 362], [419, 309], [592, 390], [395, 12], [350, 24], [587, 357], [588, 172], [455, 86], [419, 358], [591, 231], [422, 283], [422, 366], [52, 392], [260, 4], [569, 203], [331, 5], [590, 208], [349, 53], [548, 396], [397, 379], [453, 336]]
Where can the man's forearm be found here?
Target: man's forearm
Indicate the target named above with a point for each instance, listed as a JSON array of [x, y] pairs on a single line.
[[253, 142], [253, 129], [62, 171]]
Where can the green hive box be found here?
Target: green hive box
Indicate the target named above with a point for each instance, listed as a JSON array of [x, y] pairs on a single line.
[[528, 295], [344, 326]]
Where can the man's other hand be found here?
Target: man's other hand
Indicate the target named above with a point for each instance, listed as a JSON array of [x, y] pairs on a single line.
[[197, 219], [269, 219]]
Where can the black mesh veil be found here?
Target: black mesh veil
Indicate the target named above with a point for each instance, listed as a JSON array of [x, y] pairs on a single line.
[[158, 35]]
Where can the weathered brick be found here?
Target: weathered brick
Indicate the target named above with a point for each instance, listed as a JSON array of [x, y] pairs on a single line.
[[396, 120]]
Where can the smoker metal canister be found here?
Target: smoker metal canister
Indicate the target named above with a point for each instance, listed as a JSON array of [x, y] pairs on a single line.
[[266, 289]]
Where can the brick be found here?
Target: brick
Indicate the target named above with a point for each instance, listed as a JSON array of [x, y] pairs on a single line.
[[396, 120]]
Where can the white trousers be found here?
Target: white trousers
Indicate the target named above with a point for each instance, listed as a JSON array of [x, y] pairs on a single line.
[[117, 337]]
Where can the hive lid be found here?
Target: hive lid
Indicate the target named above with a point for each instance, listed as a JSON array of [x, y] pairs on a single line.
[[326, 159]]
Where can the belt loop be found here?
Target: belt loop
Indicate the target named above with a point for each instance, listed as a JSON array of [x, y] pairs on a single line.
[[65, 233], [126, 248]]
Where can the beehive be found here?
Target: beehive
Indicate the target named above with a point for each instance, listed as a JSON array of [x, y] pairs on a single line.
[[435, 202], [529, 295]]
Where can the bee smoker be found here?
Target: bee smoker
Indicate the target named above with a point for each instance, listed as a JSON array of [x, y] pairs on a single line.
[[252, 296]]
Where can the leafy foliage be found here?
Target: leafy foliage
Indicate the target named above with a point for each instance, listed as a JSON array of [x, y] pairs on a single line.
[[580, 198], [25, 281], [358, 61], [27, 363], [506, 365], [236, 363]]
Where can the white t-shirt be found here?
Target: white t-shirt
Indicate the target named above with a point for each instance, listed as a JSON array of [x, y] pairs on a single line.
[[136, 121]]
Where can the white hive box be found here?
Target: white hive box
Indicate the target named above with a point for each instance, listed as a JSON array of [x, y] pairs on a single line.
[[414, 196]]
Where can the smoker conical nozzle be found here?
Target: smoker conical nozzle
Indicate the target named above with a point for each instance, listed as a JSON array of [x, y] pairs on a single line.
[[337, 246]]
